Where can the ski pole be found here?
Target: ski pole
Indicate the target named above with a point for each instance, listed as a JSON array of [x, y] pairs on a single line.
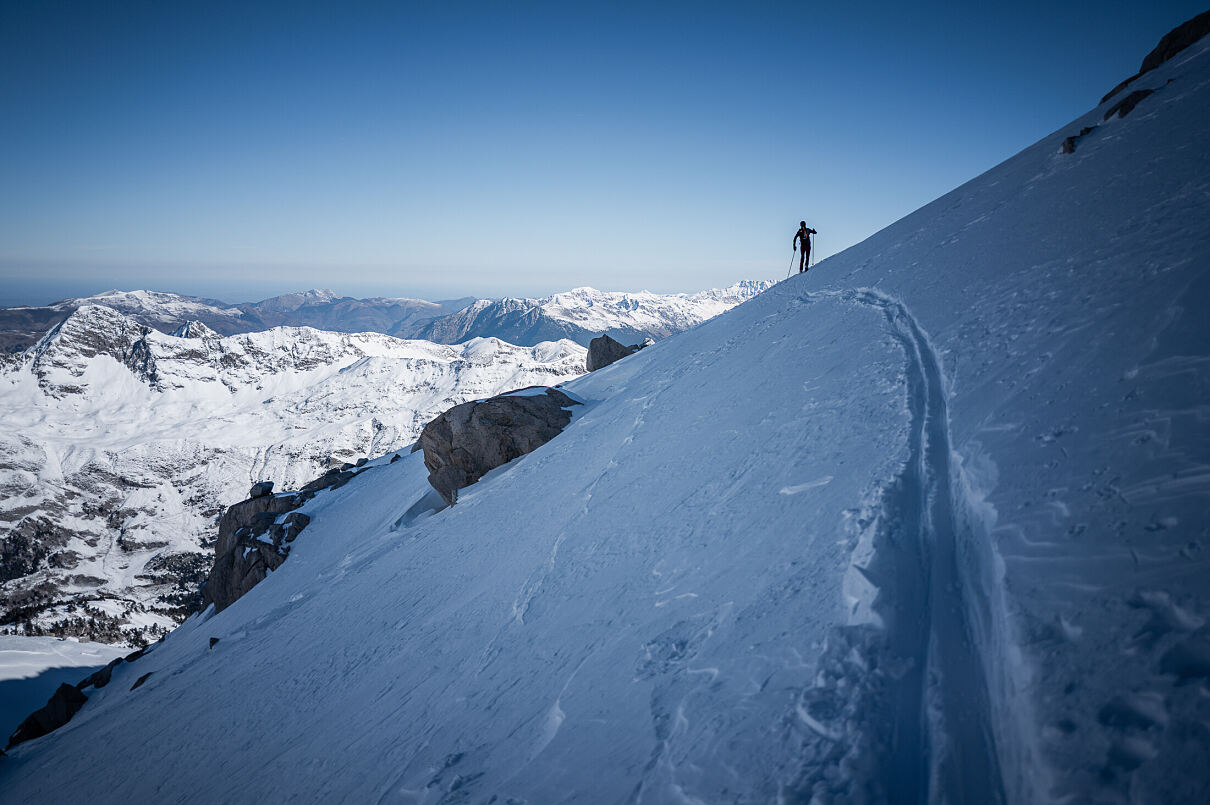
[[792, 256], [812, 249]]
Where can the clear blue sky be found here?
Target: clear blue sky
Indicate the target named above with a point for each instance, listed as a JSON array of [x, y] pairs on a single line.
[[442, 149]]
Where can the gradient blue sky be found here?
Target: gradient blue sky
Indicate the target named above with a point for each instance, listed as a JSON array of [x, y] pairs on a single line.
[[239, 150]]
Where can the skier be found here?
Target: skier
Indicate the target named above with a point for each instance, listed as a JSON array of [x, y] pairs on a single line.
[[803, 234]]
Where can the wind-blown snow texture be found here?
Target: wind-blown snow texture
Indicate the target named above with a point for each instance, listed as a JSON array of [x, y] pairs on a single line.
[[925, 524]]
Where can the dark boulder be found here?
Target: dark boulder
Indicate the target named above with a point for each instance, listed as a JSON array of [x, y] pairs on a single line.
[[64, 704], [470, 439], [261, 489], [603, 351], [138, 683]]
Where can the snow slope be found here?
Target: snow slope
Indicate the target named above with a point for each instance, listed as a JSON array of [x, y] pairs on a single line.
[[927, 523]]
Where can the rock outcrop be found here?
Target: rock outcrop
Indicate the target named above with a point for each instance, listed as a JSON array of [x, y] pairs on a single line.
[[604, 350], [254, 537], [1172, 43], [64, 704], [1127, 104], [469, 440]]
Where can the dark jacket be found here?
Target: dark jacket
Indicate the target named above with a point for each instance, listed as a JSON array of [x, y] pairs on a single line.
[[803, 233]]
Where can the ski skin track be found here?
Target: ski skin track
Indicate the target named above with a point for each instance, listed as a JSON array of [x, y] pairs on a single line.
[[943, 749]]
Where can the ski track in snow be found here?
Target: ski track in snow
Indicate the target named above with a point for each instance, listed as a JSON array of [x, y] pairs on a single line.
[[969, 770], [941, 748]]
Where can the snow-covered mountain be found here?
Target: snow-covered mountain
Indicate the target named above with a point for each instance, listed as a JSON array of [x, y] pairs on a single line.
[[119, 446], [584, 313], [926, 524], [20, 327]]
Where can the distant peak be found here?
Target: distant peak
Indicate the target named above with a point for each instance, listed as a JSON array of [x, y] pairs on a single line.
[[194, 329]]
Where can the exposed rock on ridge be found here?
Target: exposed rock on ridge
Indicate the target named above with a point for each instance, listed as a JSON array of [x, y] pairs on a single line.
[[65, 703], [603, 351], [469, 440], [254, 538], [1175, 41], [1172, 43]]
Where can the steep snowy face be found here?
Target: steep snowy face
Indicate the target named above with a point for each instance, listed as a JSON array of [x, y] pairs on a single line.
[[584, 313], [927, 523], [60, 359], [121, 445]]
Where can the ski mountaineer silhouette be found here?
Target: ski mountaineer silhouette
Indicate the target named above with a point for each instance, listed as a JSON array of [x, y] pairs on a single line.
[[803, 234]]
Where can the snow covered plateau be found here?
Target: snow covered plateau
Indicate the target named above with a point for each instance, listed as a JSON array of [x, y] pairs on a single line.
[[928, 523]]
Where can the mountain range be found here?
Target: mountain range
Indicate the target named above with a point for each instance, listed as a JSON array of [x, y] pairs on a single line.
[[578, 315]]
